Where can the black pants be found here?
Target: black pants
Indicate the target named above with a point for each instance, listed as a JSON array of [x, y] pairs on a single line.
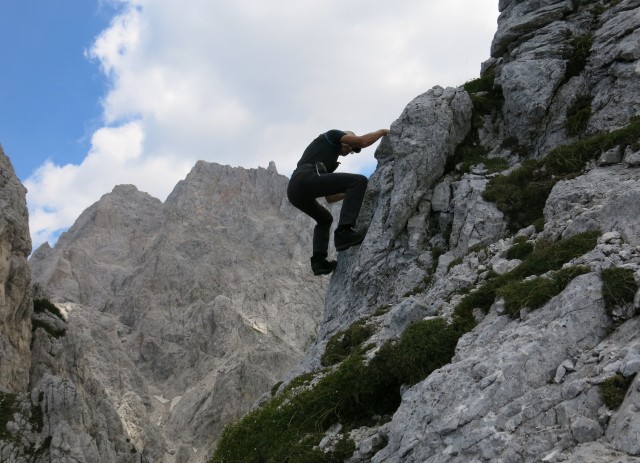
[[304, 187]]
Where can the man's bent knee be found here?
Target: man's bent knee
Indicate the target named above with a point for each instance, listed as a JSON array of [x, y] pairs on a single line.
[[325, 219], [360, 181]]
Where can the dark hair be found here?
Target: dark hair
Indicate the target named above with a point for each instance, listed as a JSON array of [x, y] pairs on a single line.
[[355, 150]]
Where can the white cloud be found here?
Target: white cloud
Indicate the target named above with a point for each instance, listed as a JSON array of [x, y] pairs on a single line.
[[249, 81], [57, 195]]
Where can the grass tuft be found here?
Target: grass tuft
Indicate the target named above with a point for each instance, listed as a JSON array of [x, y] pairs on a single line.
[[570, 159], [546, 257], [481, 298], [486, 98]]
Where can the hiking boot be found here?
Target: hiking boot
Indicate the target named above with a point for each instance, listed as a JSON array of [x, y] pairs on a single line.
[[322, 266], [344, 238]]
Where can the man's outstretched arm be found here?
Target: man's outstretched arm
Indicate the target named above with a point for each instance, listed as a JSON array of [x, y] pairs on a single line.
[[362, 141]]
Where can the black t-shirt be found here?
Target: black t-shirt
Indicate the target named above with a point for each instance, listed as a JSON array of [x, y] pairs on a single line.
[[325, 148]]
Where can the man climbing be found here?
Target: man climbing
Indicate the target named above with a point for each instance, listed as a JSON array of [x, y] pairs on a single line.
[[314, 177]]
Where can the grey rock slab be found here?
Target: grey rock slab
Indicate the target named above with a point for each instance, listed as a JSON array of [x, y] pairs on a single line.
[[604, 198], [481, 403], [15, 279]]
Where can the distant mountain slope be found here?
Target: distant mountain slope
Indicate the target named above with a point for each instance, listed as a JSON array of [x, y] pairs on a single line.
[[208, 298]]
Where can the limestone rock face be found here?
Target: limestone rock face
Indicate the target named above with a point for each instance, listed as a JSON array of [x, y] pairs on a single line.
[[15, 278], [495, 394], [543, 65], [204, 302], [524, 388], [606, 198], [72, 411], [398, 204]]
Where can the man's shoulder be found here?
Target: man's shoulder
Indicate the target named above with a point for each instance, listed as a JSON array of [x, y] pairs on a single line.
[[334, 136]]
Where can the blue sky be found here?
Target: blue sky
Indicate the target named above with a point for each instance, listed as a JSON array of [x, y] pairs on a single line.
[[49, 91], [99, 93]]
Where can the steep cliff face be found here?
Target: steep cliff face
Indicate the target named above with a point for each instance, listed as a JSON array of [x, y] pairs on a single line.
[[178, 314], [15, 276], [524, 388], [545, 55], [535, 155]]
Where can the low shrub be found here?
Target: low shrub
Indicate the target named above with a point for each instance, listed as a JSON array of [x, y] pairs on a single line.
[[534, 293], [577, 56], [482, 298], [8, 406], [486, 98], [485, 83], [519, 250], [522, 194], [619, 287], [423, 347], [288, 428], [303, 380], [544, 258], [383, 309], [454, 262], [570, 159], [553, 256], [513, 144], [352, 392], [344, 343], [45, 305], [614, 390], [578, 115]]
